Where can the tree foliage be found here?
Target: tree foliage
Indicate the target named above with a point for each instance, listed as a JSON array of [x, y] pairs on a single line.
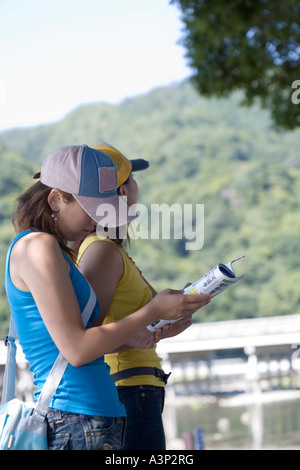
[[252, 45]]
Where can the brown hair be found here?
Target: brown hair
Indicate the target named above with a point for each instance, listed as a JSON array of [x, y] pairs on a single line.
[[34, 213]]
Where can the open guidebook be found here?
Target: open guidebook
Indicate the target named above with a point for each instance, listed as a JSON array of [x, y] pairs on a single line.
[[214, 282]]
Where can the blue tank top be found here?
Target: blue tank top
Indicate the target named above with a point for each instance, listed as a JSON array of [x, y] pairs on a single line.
[[88, 389]]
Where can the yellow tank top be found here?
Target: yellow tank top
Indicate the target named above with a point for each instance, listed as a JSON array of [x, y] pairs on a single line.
[[131, 294]]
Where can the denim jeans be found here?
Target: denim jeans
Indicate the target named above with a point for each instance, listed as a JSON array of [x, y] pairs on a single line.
[[70, 431], [144, 426]]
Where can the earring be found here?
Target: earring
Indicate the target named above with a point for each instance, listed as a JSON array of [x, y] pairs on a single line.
[[54, 216]]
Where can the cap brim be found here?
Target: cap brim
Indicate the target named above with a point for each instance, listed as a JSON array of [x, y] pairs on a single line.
[[108, 211], [139, 164]]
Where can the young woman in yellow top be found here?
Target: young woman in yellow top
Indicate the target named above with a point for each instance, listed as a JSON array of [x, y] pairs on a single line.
[[136, 367]]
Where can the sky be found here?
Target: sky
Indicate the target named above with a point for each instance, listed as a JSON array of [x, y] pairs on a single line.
[[58, 54]]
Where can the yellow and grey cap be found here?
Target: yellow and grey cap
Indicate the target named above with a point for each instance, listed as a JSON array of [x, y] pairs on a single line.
[[124, 165]]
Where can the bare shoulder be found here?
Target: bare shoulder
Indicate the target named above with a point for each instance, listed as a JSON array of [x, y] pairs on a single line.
[[32, 255], [37, 243], [104, 250], [102, 253]]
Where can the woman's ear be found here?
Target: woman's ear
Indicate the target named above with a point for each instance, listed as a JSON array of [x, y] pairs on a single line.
[[54, 199], [122, 190]]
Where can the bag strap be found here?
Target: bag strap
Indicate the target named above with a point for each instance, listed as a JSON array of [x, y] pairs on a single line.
[[55, 374], [60, 365], [8, 390]]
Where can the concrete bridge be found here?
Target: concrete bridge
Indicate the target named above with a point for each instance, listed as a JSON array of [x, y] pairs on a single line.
[[251, 349], [240, 363], [268, 332]]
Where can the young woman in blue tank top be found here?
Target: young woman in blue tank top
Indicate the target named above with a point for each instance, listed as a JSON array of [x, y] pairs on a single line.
[[46, 294]]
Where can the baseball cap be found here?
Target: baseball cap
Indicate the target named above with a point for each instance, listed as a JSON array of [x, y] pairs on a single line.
[[124, 166], [91, 177]]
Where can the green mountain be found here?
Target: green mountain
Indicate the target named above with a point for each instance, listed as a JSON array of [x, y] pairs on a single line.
[[201, 151]]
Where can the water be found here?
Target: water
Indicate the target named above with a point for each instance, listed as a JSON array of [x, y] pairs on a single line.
[[271, 424]]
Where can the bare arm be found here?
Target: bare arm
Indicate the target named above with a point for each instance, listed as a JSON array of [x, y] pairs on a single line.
[[42, 270], [102, 265]]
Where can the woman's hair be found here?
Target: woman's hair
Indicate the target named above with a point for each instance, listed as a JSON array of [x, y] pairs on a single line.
[[34, 213]]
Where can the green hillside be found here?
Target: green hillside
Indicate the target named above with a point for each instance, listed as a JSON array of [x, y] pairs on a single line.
[[202, 151]]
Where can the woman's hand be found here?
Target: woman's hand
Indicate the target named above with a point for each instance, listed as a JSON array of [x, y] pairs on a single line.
[[174, 329], [143, 339], [173, 305]]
